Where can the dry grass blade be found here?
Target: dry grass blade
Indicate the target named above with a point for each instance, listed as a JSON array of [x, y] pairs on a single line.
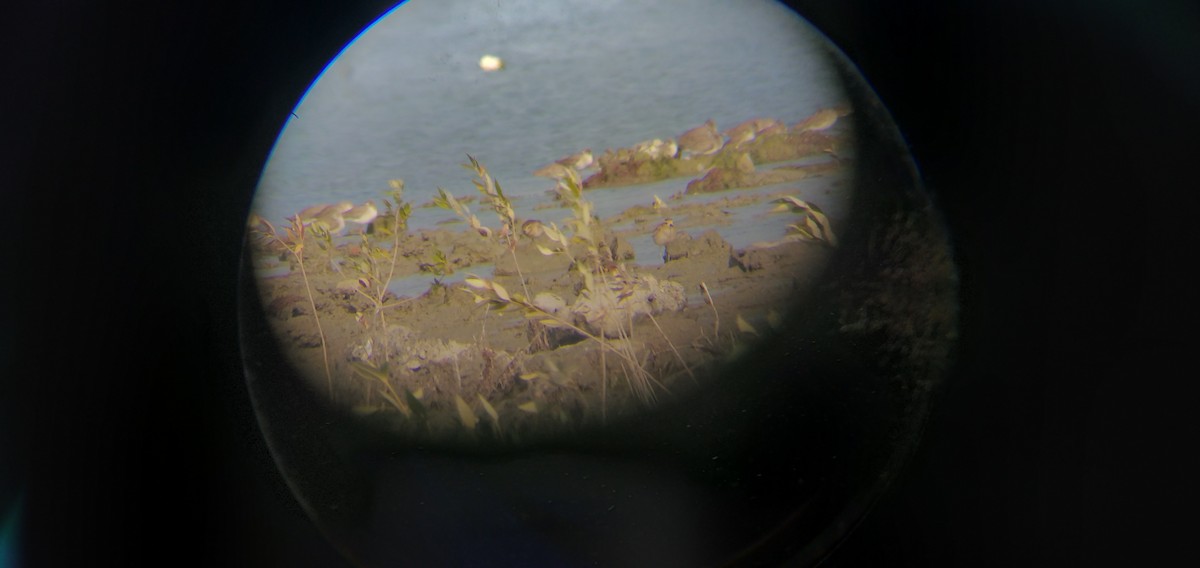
[[371, 372], [716, 316], [396, 403], [491, 411], [816, 224], [744, 326], [826, 230], [465, 414], [672, 345]]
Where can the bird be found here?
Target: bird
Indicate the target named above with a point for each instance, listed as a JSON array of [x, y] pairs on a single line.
[[762, 124], [362, 214], [669, 149], [330, 220], [532, 228], [820, 120], [307, 214], [608, 264], [701, 140], [742, 133], [647, 147], [656, 149], [664, 232], [580, 161], [310, 214], [772, 129], [555, 171]]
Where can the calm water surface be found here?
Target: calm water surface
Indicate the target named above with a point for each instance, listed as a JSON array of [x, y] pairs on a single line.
[[407, 98]]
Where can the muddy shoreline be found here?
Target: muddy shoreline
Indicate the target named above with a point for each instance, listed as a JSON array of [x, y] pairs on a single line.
[[548, 336], [443, 344]]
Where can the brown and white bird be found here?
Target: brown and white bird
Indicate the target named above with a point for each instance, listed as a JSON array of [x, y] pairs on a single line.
[[664, 232], [772, 130], [532, 228], [669, 149], [647, 148], [701, 140], [820, 120], [362, 214], [741, 133], [656, 149], [555, 171], [307, 214], [580, 161], [330, 220], [310, 214]]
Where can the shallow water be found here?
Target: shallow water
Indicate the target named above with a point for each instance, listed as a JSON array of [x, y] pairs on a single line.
[[408, 100], [417, 284], [740, 226]]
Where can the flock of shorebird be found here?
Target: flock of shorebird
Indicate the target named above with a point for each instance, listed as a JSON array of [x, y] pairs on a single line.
[[333, 218], [703, 140]]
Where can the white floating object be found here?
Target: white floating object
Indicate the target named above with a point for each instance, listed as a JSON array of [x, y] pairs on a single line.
[[491, 63]]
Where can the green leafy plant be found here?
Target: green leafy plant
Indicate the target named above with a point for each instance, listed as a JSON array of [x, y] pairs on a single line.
[[375, 267], [439, 266]]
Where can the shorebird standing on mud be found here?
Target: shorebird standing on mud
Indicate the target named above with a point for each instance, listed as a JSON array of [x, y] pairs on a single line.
[[701, 140], [555, 171], [657, 149], [580, 161], [669, 149], [741, 133], [532, 228], [362, 214], [330, 220], [664, 232], [308, 214], [324, 216]]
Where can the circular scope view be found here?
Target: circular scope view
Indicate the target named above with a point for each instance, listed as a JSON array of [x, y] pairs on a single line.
[[592, 283]]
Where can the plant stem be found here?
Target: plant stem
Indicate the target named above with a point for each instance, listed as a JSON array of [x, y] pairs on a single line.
[[673, 349], [299, 254], [513, 252], [713, 305], [457, 374]]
